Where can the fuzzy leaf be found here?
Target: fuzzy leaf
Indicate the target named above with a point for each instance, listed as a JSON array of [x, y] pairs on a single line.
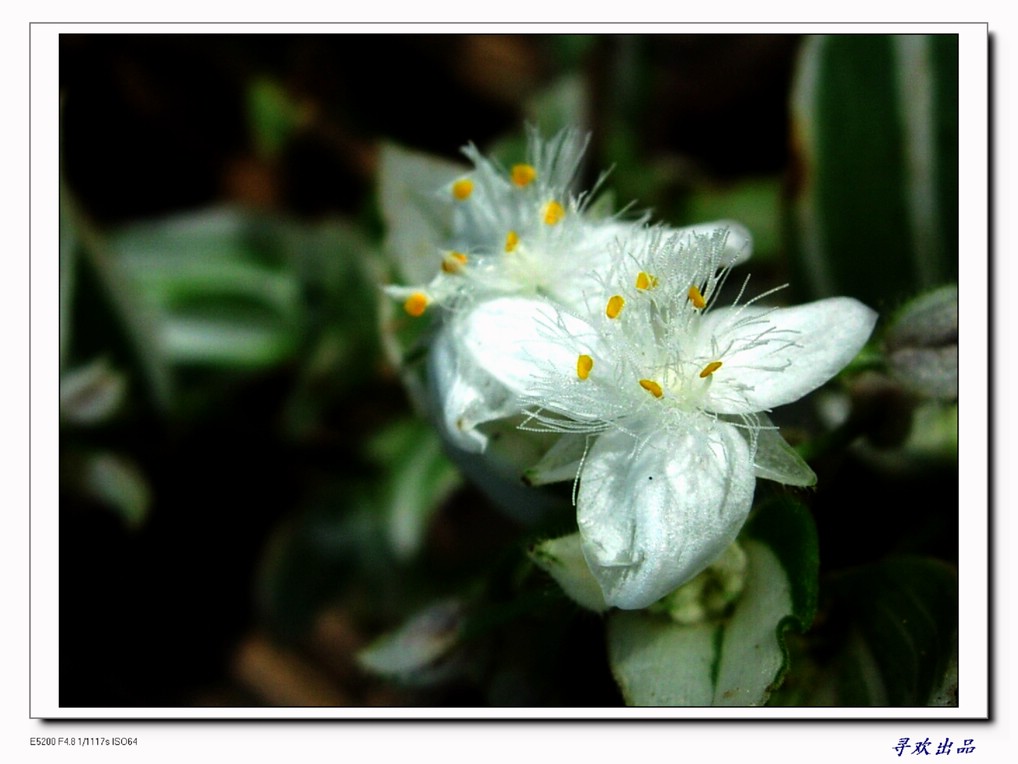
[[922, 344]]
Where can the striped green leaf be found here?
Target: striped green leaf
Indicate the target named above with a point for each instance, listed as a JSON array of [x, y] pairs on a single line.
[[874, 209], [736, 660]]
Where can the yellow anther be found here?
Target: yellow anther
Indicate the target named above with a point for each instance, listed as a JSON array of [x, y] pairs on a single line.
[[709, 369], [652, 387], [523, 174], [462, 188], [614, 306], [416, 304], [453, 262], [696, 298], [583, 366], [511, 240], [645, 281], [553, 212]]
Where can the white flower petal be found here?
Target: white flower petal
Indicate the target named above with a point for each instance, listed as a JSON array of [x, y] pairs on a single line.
[[415, 220], [518, 340], [463, 394], [652, 517], [773, 356], [595, 249]]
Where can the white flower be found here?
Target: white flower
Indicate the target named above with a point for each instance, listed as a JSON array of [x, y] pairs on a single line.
[[513, 231], [520, 231], [524, 231], [674, 389]]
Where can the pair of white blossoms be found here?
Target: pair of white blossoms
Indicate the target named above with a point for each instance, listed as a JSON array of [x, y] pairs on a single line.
[[608, 331]]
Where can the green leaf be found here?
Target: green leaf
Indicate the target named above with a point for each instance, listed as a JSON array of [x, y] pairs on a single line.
[[218, 287], [738, 659], [564, 103], [500, 472], [418, 479], [137, 318], [311, 558], [929, 320], [934, 436], [418, 651], [274, 116], [901, 626], [787, 528], [338, 266], [117, 482], [660, 663], [921, 344], [571, 50], [875, 197], [563, 560], [91, 394]]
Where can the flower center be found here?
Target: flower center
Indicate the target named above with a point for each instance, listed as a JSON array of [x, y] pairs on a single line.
[[685, 385]]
